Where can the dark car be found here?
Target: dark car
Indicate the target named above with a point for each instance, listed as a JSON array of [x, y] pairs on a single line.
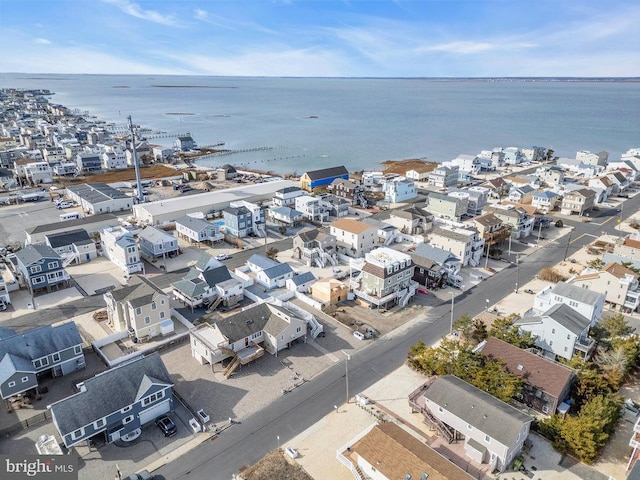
[[166, 425]]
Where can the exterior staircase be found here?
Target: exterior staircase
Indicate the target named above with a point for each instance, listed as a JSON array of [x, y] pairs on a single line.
[[431, 419], [69, 258], [215, 304], [233, 366]]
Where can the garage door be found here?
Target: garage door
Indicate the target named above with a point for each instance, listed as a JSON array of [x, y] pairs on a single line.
[[155, 411]]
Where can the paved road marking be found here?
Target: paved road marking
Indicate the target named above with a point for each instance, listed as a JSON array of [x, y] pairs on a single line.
[[320, 348]]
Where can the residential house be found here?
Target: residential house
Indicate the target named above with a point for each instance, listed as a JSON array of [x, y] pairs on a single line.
[[546, 384], [65, 168], [399, 189], [491, 228], [534, 154], [73, 246], [443, 177], [334, 206], [312, 208], [184, 143], [478, 197], [88, 162], [545, 201], [633, 466], [386, 451], [268, 272], [551, 175], [498, 187], [385, 279], [618, 283], [579, 201], [435, 268], [322, 178], [141, 308], [599, 159], [156, 243], [348, 190], [115, 403], [387, 233], [28, 356], [559, 331], [628, 247], [521, 194], [373, 181], [226, 172], [493, 431], [329, 291], [245, 335], [586, 302], [619, 182], [419, 173], [35, 172], [286, 197], [520, 222], [445, 206], [5, 298], [285, 216], [512, 156], [579, 167], [119, 246], [411, 220], [315, 248], [99, 198], [208, 283], [300, 282], [144, 154], [466, 244], [197, 230], [468, 166], [522, 180], [242, 219], [41, 268], [604, 184], [353, 238]]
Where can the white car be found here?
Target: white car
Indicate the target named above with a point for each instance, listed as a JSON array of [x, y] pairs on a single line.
[[222, 256], [62, 205]]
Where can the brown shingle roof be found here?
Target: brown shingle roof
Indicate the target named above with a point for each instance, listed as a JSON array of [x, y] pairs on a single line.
[[396, 453], [619, 271], [536, 371], [628, 242], [488, 220], [351, 226]]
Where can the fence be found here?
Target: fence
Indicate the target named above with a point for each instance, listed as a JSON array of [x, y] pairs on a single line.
[[25, 424]]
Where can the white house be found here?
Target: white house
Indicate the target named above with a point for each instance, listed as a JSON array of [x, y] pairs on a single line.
[[399, 189], [120, 246], [353, 238], [269, 273], [586, 302], [466, 244], [493, 431]]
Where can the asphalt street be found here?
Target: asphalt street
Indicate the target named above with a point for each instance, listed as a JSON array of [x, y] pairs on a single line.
[[252, 438]]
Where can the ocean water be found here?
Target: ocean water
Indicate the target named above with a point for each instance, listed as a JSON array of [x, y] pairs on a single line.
[[311, 123]]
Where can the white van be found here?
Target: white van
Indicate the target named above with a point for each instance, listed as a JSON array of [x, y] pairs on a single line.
[[69, 216]]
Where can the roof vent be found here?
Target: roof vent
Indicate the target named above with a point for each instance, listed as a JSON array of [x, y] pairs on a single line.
[[248, 322], [520, 367]]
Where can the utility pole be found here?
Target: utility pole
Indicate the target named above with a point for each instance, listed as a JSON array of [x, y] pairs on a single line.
[[135, 161], [346, 372], [566, 250], [452, 297], [540, 230], [517, 271]]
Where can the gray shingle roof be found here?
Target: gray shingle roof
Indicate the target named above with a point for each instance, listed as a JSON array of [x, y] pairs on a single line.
[[140, 292], [327, 173], [566, 316], [278, 270], [34, 253], [62, 239], [484, 412], [155, 235], [25, 347], [262, 262], [303, 278], [247, 322], [438, 255], [576, 293], [194, 224], [96, 192], [103, 217], [109, 392]]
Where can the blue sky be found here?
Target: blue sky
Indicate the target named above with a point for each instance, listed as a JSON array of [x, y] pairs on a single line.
[[352, 38]]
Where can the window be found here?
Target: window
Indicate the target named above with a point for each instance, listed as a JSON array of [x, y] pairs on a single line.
[[99, 423], [41, 362], [77, 433], [487, 438], [52, 265], [161, 314], [162, 301], [147, 320], [37, 280], [56, 357], [545, 409], [25, 379], [553, 330], [138, 311], [35, 269], [12, 384], [298, 329], [153, 306], [152, 398], [128, 419], [125, 409], [77, 349], [568, 336]]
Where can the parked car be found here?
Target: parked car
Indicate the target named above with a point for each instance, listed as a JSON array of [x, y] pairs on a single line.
[[422, 290], [143, 475], [167, 426], [528, 290], [62, 205], [222, 256]]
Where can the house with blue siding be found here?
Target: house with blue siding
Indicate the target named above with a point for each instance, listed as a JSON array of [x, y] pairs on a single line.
[[116, 402], [45, 350], [322, 178], [41, 268], [244, 218], [156, 243]]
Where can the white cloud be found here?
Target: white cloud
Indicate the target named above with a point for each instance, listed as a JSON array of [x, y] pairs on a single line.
[[135, 10], [41, 41], [201, 14], [468, 47]]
